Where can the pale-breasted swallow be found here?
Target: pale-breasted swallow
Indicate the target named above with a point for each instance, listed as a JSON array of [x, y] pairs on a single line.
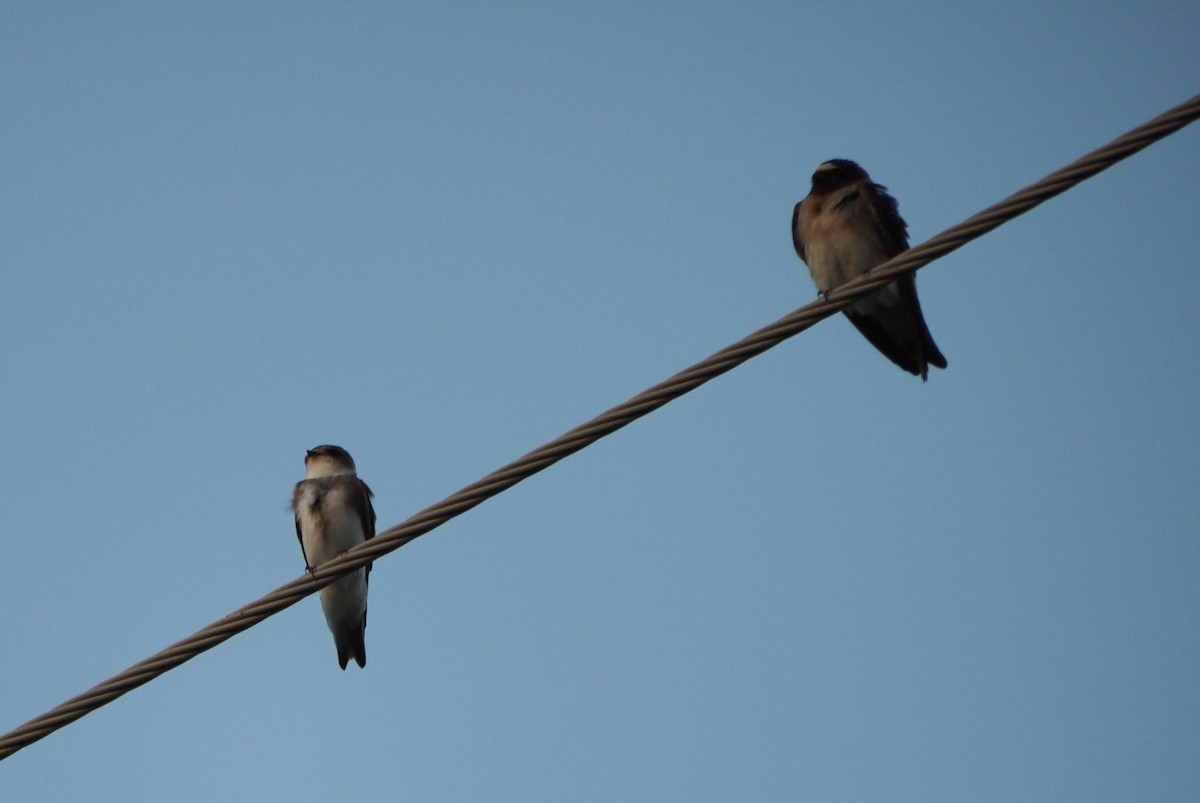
[[844, 227], [334, 513]]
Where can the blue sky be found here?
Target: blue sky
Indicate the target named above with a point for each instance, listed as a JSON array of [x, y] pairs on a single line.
[[440, 235]]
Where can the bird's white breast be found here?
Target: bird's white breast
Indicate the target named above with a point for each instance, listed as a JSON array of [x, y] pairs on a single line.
[[328, 522]]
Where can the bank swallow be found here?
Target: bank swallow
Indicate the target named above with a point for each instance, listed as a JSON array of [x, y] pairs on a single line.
[[334, 513], [844, 227]]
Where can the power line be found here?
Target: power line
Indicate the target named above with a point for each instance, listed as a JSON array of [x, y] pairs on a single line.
[[645, 402]]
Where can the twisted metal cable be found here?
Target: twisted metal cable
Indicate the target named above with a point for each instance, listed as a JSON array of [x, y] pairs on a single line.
[[645, 402]]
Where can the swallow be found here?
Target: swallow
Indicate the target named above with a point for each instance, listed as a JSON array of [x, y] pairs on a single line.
[[334, 513], [846, 225]]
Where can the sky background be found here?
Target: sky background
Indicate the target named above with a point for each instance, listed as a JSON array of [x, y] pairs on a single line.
[[442, 234]]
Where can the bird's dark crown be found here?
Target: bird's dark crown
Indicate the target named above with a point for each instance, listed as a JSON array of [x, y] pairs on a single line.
[[837, 173], [334, 452]]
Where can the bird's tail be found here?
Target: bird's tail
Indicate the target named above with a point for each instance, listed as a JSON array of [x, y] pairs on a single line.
[[351, 643]]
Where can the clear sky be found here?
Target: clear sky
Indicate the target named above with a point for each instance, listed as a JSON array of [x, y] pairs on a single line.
[[442, 234]]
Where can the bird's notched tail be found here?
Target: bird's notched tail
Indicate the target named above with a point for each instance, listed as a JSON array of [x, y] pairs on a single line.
[[351, 643], [333, 514], [847, 225]]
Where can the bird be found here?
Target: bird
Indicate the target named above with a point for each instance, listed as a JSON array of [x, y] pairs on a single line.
[[334, 513], [846, 225]]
